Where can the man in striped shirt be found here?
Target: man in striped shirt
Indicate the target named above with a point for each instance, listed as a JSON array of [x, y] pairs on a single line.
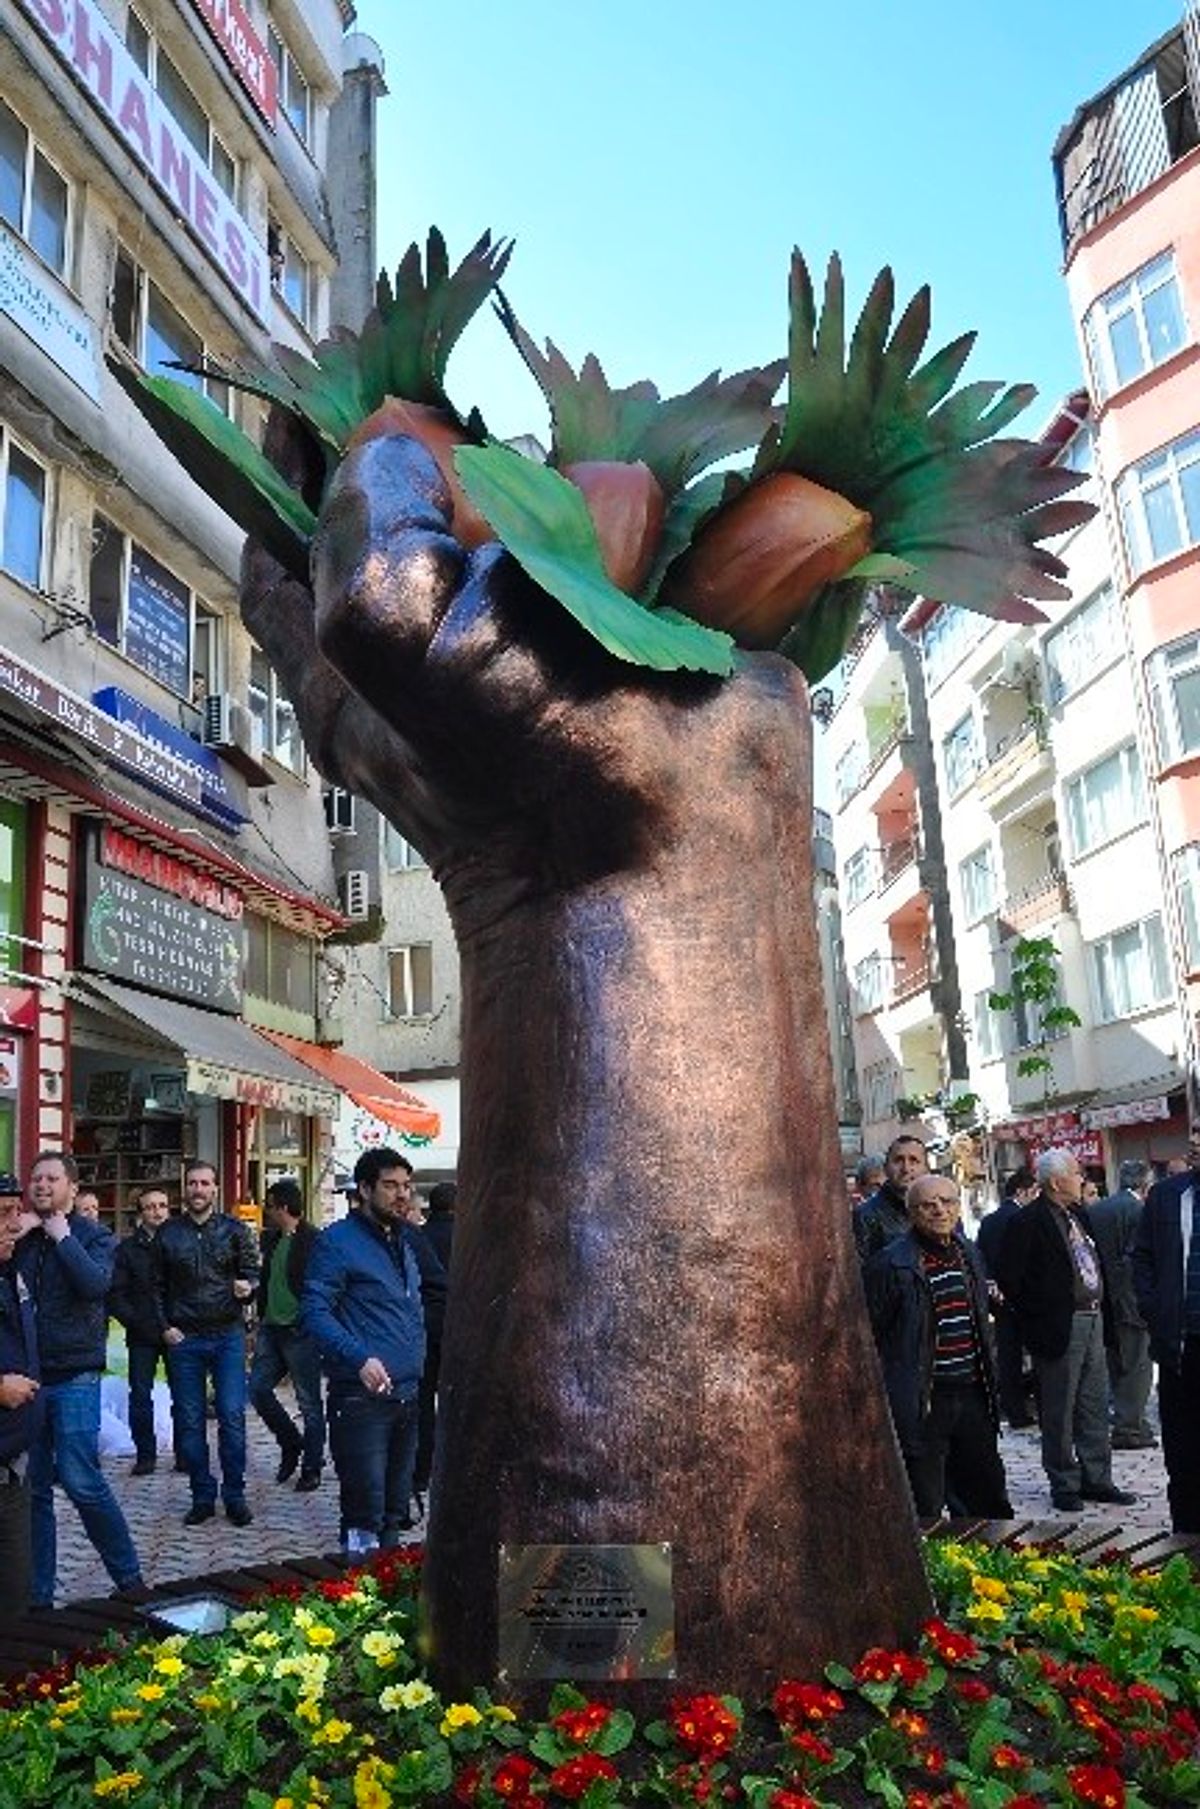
[[927, 1297]]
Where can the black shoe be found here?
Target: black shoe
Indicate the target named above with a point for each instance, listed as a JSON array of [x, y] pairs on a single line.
[[137, 1591], [309, 1480], [1021, 1425], [1108, 1491], [1068, 1504], [145, 1466], [238, 1512], [199, 1512], [181, 1468], [1133, 1441], [289, 1463]]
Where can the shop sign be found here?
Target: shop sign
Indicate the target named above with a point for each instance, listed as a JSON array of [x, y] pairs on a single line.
[[220, 1082], [210, 781], [141, 861], [1057, 1130], [244, 52], [132, 931], [1130, 1111], [99, 61], [48, 314], [18, 1007], [151, 762], [10, 1065]]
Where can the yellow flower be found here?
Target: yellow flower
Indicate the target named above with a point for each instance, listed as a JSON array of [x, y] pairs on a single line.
[[120, 1784], [320, 1635], [123, 1717], [284, 1802], [308, 1710], [985, 1611], [1041, 1611], [378, 1644], [151, 1692], [459, 1714], [169, 1666], [56, 1721], [1133, 1611], [333, 1733], [1073, 1600], [266, 1641], [369, 1793], [1038, 1567], [208, 1702], [68, 1704], [500, 1711], [991, 1588], [248, 1620]]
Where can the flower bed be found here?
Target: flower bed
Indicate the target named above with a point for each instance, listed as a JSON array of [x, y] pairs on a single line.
[[1043, 1682]]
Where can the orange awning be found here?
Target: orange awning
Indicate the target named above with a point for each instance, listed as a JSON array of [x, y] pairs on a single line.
[[367, 1087]]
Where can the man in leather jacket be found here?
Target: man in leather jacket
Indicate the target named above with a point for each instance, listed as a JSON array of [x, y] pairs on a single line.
[[20, 1408], [206, 1267], [133, 1301]]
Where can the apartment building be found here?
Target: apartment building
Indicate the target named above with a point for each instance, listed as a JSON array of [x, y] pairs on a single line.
[[1127, 169], [166, 883]]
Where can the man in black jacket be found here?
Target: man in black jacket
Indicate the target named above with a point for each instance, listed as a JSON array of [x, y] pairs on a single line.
[[134, 1301], [885, 1215], [927, 1297], [20, 1408], [1050, 1274], [67, 1263], [1130, 1371], [1166, 1277], [206, 1267], [1019, 1189], [281, 1348]]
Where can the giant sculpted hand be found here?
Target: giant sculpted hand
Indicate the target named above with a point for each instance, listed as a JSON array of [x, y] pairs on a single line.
[[655, 1333]]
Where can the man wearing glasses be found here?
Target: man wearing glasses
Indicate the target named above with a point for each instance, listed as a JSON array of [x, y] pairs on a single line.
[[364, 1303]]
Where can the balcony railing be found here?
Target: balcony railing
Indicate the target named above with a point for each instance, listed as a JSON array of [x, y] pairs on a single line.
[[896, 856], [910, 980], [1041, 902]]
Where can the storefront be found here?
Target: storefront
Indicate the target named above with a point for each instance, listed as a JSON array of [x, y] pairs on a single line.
[[1019, 1144], [18, 997]]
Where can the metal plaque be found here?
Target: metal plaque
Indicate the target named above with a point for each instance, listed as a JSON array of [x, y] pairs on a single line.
[[576, 1612]]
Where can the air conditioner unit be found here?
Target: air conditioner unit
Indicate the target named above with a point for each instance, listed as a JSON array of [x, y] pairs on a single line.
[[355, 890], [218, 719], [1016, 661], [339, 810]]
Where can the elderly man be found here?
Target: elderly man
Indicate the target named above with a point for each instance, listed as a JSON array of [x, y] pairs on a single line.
[[1114, 1222], [1166, 1276], [884, 1215], [1049, 1272], [927, 1297]]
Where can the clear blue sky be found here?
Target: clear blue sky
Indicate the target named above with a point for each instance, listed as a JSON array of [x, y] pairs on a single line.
[[656, 162]]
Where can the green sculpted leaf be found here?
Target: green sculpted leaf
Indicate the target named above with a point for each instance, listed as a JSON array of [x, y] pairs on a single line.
[[818, 638], [544, 522], [226, 464]]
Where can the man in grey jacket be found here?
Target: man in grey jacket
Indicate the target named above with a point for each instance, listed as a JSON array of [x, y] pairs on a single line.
[[66, 1263], [1114, 1223]]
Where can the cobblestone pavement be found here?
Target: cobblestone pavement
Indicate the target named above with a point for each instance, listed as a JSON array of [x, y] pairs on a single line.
[[290, 1525]]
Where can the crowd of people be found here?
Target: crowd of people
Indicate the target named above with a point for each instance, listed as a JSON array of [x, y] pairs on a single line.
[[361, 1301], [1054, 1316]]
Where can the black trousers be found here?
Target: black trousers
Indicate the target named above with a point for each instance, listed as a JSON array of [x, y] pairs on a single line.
[[1179, 1408], [1011, 1381], [958, 1442], [15, 1563]]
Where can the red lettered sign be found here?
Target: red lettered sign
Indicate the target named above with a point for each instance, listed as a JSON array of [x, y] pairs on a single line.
[[244, 52]]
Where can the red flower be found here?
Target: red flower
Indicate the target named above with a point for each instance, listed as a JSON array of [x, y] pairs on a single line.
[[907, 1721], [1099, 1785], [794, 1702], [1185, 1721], [811, 1746], [578, 1774], [580, 1725], [1009, 1758], [513, 1778], [1086, 1715], [919, 1799], [466, 1784], [336, 1589], [1101, 1684], [704, 1725], [951, 1646], [880, 1666], [972, 1689], [791, 1799], [1146, 1692]]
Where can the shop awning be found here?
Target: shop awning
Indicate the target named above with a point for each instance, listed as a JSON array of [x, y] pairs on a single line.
[[367, 1087], [224, 1058]]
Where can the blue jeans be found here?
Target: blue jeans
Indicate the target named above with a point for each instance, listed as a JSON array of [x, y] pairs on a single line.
[[221, 1355], [373, 1442], [283, 1350], [143, 1363], [68, 1449]]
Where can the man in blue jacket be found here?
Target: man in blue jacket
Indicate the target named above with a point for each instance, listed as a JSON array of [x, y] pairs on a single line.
[[1166, 1279], [20, 1408], [66, 1263], [362, 1306]]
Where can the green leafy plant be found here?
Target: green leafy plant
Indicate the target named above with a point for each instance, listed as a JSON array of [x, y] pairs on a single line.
[[1034, 984]]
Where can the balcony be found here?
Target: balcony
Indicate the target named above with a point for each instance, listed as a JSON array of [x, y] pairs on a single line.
[[896, 857], [915, 977], [1019, 769], [1042, 902]]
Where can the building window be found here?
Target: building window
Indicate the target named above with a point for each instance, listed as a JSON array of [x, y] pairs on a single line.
[[1186, 867], [410, 980], [977, 877], [1129, 970], [946, 641], [34, 198], [206, 655], [141, 608], [399, 855], [962, 755], [275, 714], [22, 512], [296, 280], [181, 103], [1175, 687], [281, 965], [848, 773], [858, 877], [1159, 500], [154, 331], [989, 1043], [879, 1091], [1083, 645], [295, 95], [1105, 800], [1134, 326], [868, 984]]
